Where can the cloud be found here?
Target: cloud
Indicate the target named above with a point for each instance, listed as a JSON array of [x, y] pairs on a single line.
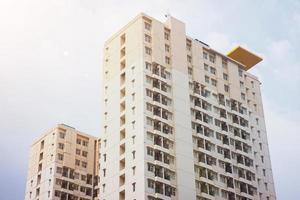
[[283, 131], [282, 61]]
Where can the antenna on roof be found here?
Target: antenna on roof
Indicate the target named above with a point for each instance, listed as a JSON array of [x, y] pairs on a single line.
[[168, 14]]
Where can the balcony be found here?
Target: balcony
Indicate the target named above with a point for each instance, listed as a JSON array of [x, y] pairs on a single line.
[[221, 99], [196, 88], [224, 126], [228, 168], [233, 104], [225, 139], [159, 188], [197, 102], [239, 159], [199, 129], [198, 115], [223, 113], [158, 140], [235, 119], [229, 182]]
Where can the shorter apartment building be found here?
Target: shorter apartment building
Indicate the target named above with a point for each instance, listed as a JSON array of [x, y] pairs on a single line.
[[63, 164]]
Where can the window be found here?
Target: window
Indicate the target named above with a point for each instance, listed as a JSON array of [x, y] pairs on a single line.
[[42, 145], [226, 88], [188, 45], [149, 151], [147, 38], [264, 172], [104, 172], [167, 35], [213, 82], [240, 72], [123, 39], [133, 187], [37, 192], [266, 186], [262, 159], [133, 139], [78, 141], [77, 162], [205, 67], [206, 79], [133, 155], [103, 187], [225, 76], [224, 64], [58, 170], [85, 143], [62, 135], [213, 70], [60, 156], [205, 55], [148, 66], [61, 145], [147, 26], [167, 48], [189, 59], [212, 58], [255, 107], [260, 146], [133, 170], [150, 183], [104, 157], [83, 164], [243, 96], [167, 60], [84, 153], [190, 71], [148, 50], [252, 83], [41, 156]]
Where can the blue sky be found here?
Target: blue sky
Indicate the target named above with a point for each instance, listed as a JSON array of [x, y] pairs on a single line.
[[51, 56]]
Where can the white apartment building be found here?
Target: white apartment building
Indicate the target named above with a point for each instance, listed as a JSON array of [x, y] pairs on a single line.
[[181, 120], [63, 165]]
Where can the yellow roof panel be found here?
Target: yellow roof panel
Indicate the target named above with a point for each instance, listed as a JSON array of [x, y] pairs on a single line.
[[245, 57]]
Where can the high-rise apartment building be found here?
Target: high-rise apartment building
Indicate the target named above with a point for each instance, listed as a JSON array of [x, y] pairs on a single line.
[[181, 120], [63, 165]]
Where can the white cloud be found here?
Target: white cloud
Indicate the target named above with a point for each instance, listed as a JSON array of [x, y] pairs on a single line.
[[283, 137], [282, 62]]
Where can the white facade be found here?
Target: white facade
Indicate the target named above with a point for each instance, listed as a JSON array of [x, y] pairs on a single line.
[[63, 165], [181, 121]]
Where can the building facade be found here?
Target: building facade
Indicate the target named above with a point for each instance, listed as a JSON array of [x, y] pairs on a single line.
[[63, 165], [181, 120]]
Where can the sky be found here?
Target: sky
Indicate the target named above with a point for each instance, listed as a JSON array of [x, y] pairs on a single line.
[[51, 57]]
